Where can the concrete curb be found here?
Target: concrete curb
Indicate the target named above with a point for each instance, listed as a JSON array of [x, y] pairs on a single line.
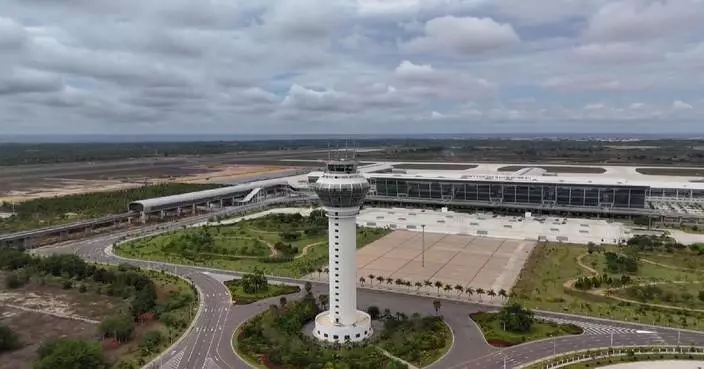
[[552, 357]]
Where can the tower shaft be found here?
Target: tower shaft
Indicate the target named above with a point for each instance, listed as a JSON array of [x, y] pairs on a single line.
[[343, 266]]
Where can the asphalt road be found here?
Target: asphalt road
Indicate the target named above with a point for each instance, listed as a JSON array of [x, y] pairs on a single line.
[[208, 344]]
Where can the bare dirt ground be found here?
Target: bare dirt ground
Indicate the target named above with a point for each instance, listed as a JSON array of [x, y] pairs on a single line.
[[36, 328], [26, 187]]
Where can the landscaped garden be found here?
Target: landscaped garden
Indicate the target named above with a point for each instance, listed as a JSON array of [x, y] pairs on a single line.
[[514, 325], [288, 245], [650, 279], [254, 287], [277, 339], [124, 316]]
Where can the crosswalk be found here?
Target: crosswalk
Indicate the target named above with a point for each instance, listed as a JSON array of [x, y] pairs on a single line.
[[596, 328], [174, 362]]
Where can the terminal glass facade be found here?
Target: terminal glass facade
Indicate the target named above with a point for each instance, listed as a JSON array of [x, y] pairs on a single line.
[[545, 194]]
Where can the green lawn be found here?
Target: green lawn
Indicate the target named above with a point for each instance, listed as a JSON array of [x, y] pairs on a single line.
[[496, 336], [240, 297], [541, 286], [419, 341], [244, 246]]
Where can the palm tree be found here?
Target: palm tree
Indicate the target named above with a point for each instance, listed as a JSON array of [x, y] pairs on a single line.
[[380, 279], [362, 280], [327, 271], [418, 285], [503, 294], [437, 305], [408, 284], [319, 270], [480, 292], [447, 288], [491, 294], [469, 291], [427, 283], [459, 289], [438, 285], [398, 282], [389, 280], [371, 278]]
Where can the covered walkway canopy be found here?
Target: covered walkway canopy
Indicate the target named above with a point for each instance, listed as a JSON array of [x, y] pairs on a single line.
[[231, 193]]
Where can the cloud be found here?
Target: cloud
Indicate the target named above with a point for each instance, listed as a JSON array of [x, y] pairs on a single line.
[[12, 35], [681, 105], [617, 53], [581, 83], [462, 35], [21, 81], [638, 20], [356, 66]]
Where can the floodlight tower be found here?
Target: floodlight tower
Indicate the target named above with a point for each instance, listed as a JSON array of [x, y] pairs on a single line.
[[341, 190]]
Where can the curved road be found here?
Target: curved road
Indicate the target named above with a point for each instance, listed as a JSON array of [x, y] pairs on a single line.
[[208, 344]]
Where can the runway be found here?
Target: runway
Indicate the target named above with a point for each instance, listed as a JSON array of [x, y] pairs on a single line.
[[208, 344]]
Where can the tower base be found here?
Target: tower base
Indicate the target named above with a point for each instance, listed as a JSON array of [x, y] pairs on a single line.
[[325, 330]]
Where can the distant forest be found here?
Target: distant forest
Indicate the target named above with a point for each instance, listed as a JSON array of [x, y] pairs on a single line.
[[647, 152]]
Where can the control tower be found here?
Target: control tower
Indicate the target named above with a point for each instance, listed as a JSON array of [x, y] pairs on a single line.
[[341, 190]]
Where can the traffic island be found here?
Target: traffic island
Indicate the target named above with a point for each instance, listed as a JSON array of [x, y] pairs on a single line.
[[514, 325], [281, 337]]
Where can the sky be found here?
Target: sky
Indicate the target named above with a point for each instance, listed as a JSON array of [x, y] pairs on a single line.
[[351, 66]]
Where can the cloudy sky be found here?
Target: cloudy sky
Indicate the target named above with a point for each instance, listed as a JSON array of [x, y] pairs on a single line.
[[351, 66]]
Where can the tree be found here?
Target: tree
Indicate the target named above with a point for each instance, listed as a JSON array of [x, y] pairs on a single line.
[[9, 340], [469, 291], [70, 354], [380, 279], [516, 318], [323, 299], [282, 302], [447, 288], [437, 305], [389, 280], [362, 280], [491, 294], [480, 292], [308, 287], [503, 294], [320, 271], [373, 312], [418, 285], [459, 289], [438, 285], [119, 327], [151, 341]]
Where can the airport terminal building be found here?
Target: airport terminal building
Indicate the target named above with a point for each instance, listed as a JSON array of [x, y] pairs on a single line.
[[536, 190]]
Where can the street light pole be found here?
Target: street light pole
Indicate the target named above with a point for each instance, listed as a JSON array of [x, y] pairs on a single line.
[[422, 254]]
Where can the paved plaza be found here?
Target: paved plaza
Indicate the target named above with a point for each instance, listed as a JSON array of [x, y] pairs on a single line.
[[476, 262]]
